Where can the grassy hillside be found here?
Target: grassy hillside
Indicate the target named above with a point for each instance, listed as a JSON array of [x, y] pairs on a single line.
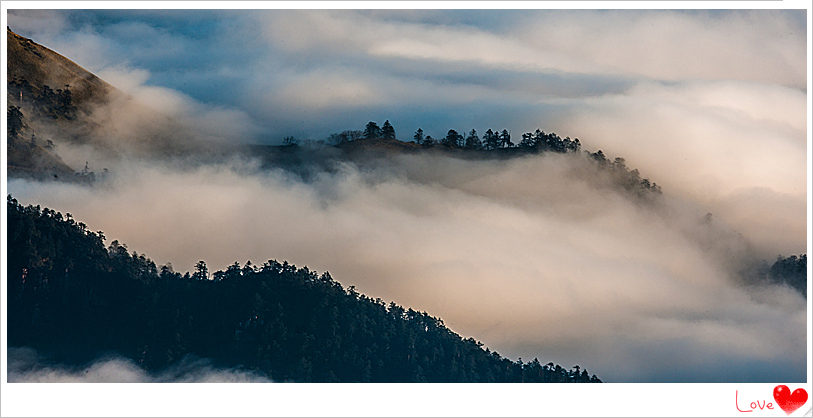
[[37, 66], [66, 104]]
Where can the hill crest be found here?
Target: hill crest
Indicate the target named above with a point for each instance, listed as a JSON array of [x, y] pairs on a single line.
[[40, 66]]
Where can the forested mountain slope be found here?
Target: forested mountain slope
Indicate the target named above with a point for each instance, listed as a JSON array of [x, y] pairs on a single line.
[[74, 299]]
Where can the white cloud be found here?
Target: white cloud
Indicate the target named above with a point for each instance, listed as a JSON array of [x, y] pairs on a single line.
[[761, 46], [534, 257], [26, 367], [163, 109], [44, 22], [710, 142]]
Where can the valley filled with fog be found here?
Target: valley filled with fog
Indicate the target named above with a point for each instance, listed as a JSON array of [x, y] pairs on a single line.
[[538, 255], [534, 256]]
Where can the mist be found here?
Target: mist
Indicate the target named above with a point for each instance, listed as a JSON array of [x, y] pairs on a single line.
[[539, 256], [26, 366], [718, 117], [739, 149], [536, 257]]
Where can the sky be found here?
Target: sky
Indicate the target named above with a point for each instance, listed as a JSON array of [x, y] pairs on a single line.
[[711, 105]]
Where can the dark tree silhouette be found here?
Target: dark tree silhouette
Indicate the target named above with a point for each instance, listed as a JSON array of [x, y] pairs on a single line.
[[490, 140], [372, 131], [418, 137], [387, 131], [791, 271], [452, 138], [473, 141], [505, 139], [15, 123], [201, 271], [528, 140]]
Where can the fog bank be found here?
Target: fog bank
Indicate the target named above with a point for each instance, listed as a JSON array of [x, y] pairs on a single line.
[[535, 257]]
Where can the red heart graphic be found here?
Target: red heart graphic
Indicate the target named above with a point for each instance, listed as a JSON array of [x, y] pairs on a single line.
[[789, 402]]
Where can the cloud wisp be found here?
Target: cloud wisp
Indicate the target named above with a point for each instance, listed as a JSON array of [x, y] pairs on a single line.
[[26, 366]]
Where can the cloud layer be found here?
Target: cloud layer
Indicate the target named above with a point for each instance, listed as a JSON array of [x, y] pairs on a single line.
[[535, 256], [709, 104]]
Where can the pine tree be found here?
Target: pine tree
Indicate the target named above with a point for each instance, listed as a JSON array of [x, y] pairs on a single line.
[[372, 131], [473, 141], [505, 139], [452, 138], [419, 138], [490, 140], [387, 131]]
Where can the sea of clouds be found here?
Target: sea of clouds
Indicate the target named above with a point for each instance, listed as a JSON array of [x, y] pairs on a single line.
[[535, 257]]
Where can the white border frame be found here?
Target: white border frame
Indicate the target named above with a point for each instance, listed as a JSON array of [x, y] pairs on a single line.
[[622, 399]]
